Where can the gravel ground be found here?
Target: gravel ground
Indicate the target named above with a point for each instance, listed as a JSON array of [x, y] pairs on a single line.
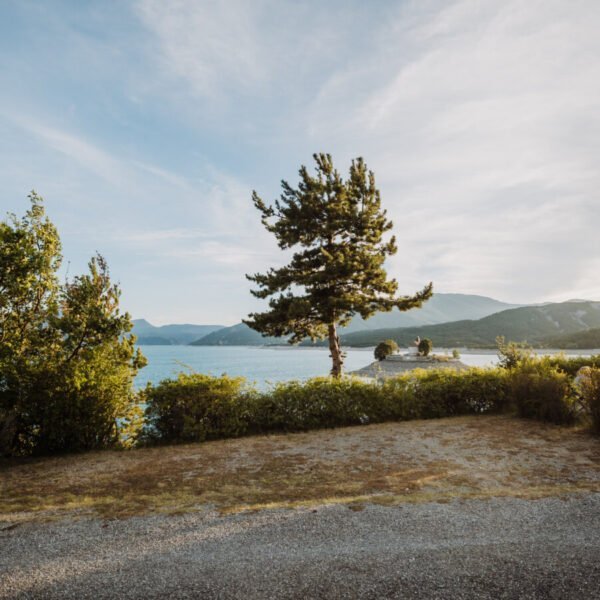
[[499, 548]]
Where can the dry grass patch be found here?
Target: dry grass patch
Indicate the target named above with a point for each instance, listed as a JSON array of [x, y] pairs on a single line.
[[417, 461]]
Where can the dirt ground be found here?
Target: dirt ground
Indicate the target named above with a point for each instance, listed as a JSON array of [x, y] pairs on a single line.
[[387, 464]]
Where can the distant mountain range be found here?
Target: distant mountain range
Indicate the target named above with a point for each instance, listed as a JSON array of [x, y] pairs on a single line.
[[168, 335], [549, 325], [441, 308], [573, 324], [236, 335]]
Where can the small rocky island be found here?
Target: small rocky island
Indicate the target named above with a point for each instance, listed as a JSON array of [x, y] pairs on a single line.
[[397, 364]]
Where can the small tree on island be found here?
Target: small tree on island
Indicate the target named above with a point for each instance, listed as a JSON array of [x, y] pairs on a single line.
[[425, 347], [384, 349], [337, 272]]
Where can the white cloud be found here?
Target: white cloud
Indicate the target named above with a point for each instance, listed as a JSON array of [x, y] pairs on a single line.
[[254, 61]]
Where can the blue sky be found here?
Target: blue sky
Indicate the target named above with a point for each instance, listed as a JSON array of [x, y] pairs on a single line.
[[145, 125]]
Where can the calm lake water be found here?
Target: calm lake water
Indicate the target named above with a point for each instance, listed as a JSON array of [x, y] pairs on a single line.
[[266, 364]]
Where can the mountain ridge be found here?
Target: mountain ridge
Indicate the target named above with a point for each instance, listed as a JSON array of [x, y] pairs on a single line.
[[533, 324], [169, 335], [441, 308]]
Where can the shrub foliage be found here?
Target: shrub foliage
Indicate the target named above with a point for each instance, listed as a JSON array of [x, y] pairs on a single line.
[[587, 384], [200, 407], [541, 391], [385, 348], [194, 408], [425, 347]]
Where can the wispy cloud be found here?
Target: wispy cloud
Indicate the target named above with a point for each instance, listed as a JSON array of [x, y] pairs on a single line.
[[215, 45], [221, 253], [233, 54], [160, 235], [478, 128], [72, 146], [167, 176], [114, 169]]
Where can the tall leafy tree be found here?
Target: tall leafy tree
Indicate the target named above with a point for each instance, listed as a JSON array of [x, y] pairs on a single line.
[[30, 255], [66, 362], [94, 368], [337, 229]]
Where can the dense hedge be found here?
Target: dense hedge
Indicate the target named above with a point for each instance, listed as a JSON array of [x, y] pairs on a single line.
[[587, 388], [200, 407], [571, 364], [542, 392], [514, 354], [196, 408]]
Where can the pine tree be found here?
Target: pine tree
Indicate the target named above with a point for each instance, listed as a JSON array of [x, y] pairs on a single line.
[[337, 271]]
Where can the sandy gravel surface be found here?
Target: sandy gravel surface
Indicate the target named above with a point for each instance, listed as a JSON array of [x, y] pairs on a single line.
[[468, 507], [497, 548], [388, 463]]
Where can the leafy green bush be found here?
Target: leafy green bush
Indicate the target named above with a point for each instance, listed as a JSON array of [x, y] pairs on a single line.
[[194, 408], [422, 394], [572, 364], [436, 393], [587, 385], [321, 402], [85, 404], [385, 348], [540, 391], [198, 407], [511, 354], [425, 347]]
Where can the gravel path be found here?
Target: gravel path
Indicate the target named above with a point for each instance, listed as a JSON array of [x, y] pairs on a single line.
[[499, 548]]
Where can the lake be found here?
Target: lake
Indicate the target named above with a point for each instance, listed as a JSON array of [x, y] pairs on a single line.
[[268, 364]]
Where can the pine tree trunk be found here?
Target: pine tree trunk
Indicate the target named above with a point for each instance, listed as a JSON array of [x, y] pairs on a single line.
[[337, 357]]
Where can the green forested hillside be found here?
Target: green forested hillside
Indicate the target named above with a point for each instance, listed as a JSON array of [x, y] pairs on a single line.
[[551, 325], [534, 324], [582, 340]]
